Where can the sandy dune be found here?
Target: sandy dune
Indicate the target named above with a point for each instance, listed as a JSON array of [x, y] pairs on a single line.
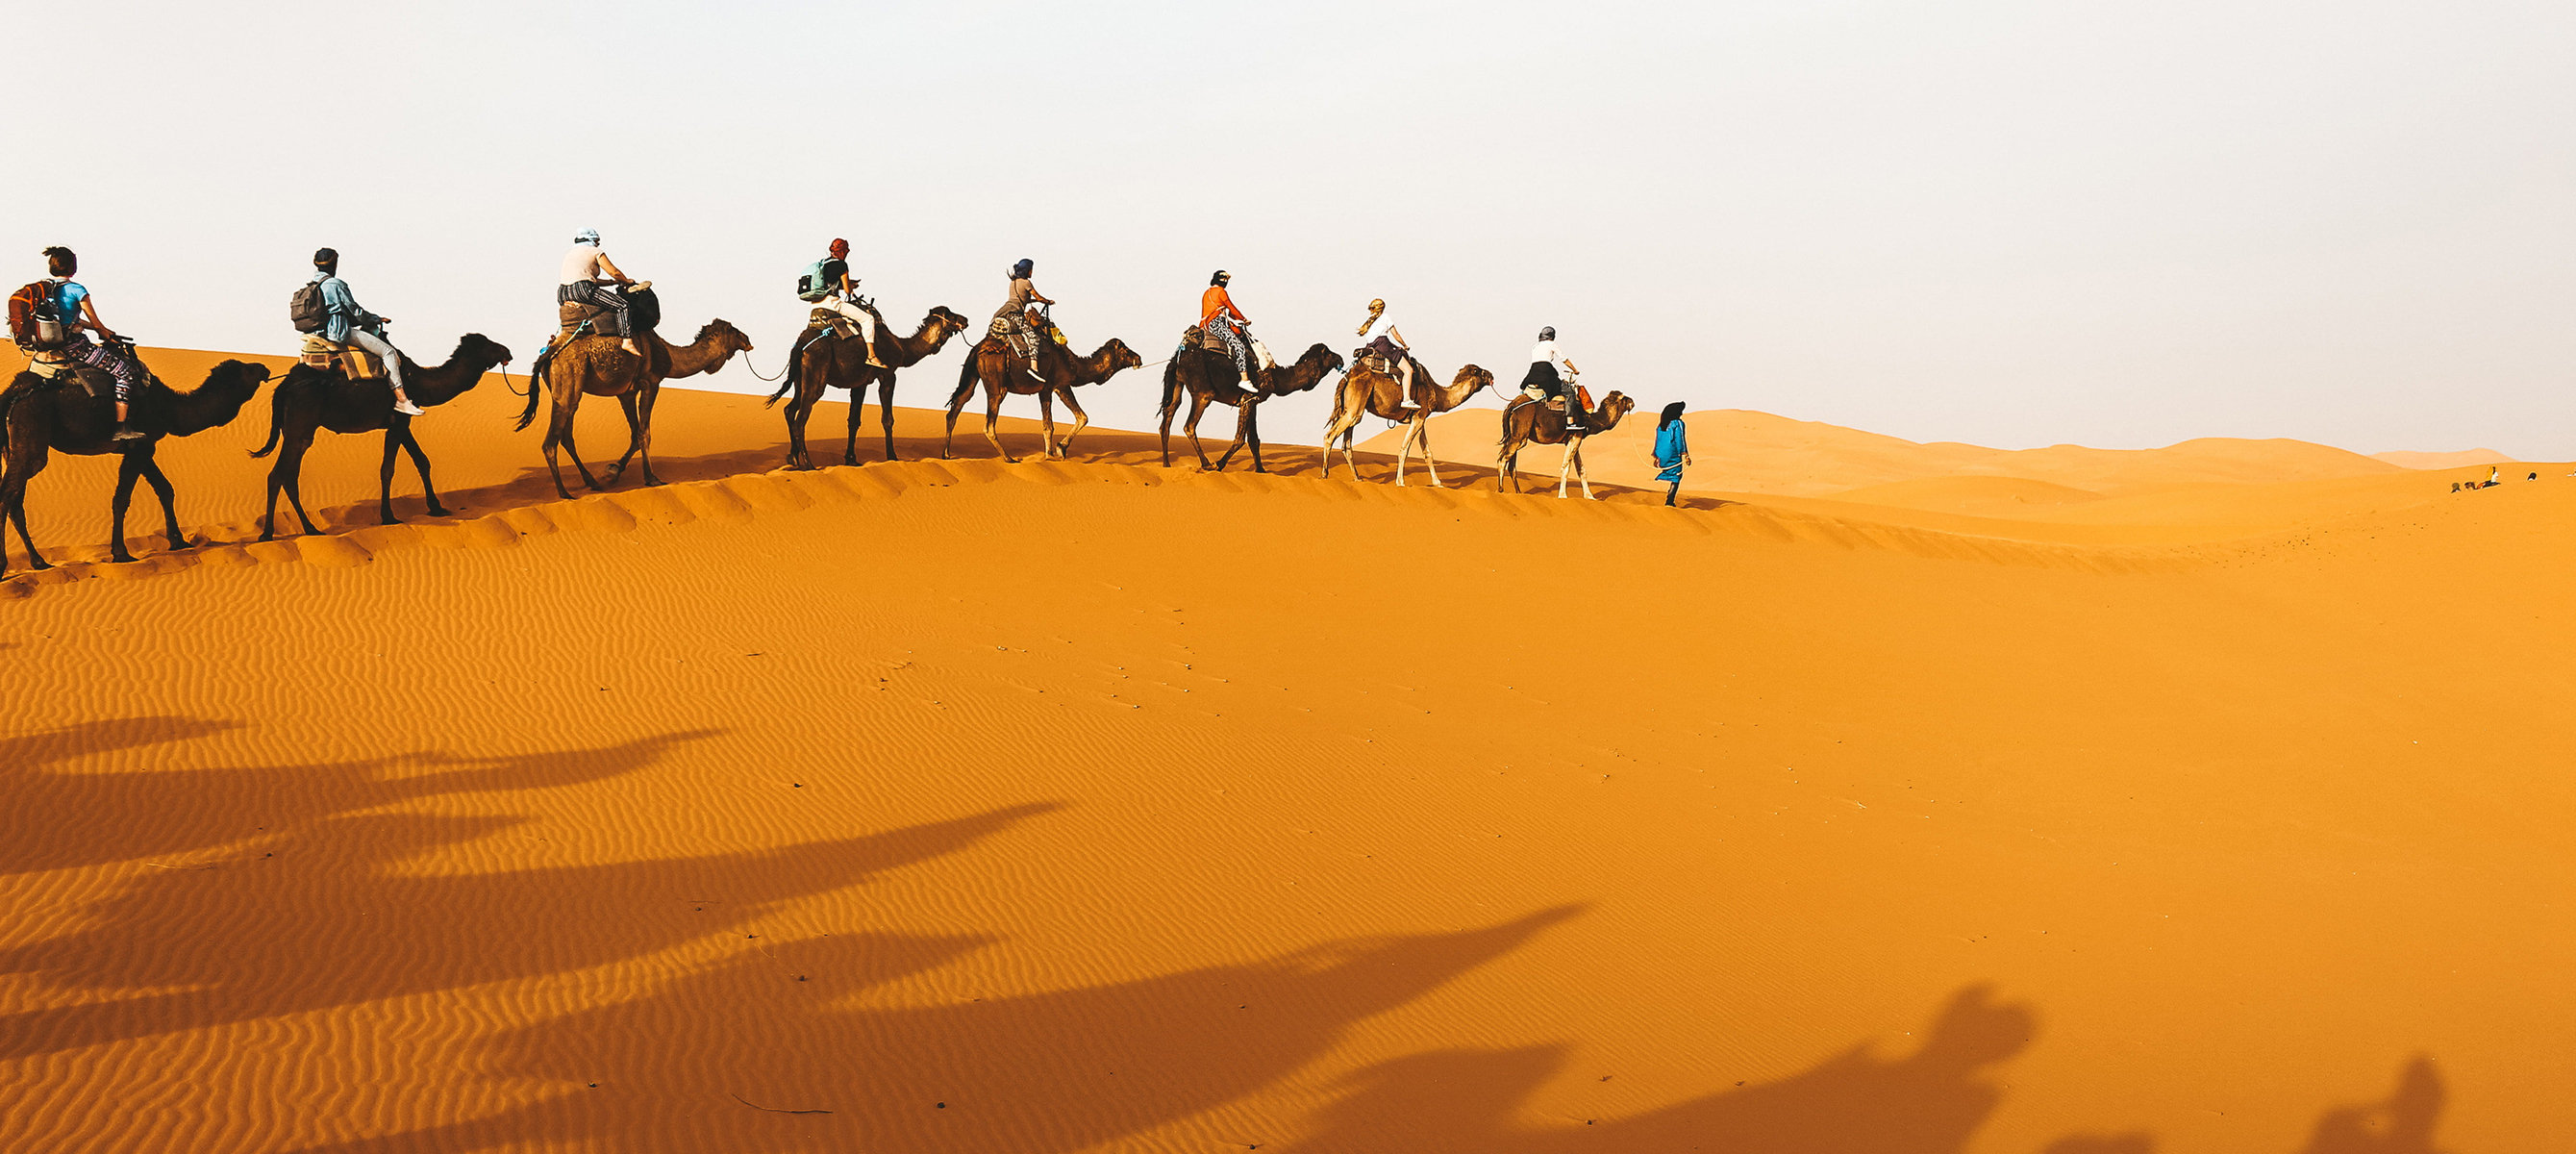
[[2195, 800], [1748, 452], [2412, 460]]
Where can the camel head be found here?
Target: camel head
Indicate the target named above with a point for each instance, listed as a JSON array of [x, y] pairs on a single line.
[[1319, 362], [948, 320], [1469, 373], [1120, 356], [728, 339], [1612, 408], [480, 349], [211, 404]]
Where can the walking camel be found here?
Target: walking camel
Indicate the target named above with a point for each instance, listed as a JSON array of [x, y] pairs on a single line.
[[311, 399], [1527, 422], [828, 362], [1212, 377], [1366, 391], [596, 366], [38, 416], [1003, 373]]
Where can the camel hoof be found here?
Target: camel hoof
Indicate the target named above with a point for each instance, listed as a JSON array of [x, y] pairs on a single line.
[[437, 511], [121, 557]]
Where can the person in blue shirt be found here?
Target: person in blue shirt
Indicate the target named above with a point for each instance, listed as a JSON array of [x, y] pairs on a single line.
[[109, 355], [349, 324], [1672, 450]]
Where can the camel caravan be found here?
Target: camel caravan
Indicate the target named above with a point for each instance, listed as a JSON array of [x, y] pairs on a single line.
[[86, 390]]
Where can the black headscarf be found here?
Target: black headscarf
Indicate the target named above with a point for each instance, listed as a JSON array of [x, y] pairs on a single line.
[[1672, 413]]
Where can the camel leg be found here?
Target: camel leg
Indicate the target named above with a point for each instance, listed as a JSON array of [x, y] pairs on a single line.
[[1333, 430], [858, 408], [1403, 456], [1046, 421], [885, 411], [956, 404], [993, 395], [1503, 464], [634, 435], [559, 435], [385, 470], [1190, 429], [1252, 436], [13, 499], [1582, 476], [420, 463], [644, 430], [1242, 421], [1080, 421], [289, 474], [799, 407], [1422, 427], [1565, 468], [160, 482], [128, 470]]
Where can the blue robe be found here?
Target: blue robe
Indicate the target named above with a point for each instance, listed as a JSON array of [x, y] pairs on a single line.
[[1671, 442]]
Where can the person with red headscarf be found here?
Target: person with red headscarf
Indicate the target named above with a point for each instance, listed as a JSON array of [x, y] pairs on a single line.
[[830, 287]]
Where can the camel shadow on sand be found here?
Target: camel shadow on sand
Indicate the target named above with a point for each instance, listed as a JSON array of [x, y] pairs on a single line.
[[237, 931]]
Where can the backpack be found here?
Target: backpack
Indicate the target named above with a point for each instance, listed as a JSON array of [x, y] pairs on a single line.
[[810, 285], [305, 308], [35, 316]]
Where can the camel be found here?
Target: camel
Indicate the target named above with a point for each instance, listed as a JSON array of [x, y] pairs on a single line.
[[1528, 422], [1367, 391], [595, 365], [1213, 377], [311, 399], [38, 415], [819, 363], [1002, 371]]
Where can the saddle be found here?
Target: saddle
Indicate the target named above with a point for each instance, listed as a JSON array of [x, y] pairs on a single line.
[[353, 362], [572, 315], [839, 326], [59, 373]]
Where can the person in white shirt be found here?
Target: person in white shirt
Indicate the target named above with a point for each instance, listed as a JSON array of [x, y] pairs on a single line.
[[1549, 373], [590, 278], [1379, 333]]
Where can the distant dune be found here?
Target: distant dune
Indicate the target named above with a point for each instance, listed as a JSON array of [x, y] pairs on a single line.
[[2190, 799], [1741, 451], [2404, 459]]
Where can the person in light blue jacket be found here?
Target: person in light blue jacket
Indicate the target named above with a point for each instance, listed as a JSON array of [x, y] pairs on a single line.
[[1672, 450], [349, 324]]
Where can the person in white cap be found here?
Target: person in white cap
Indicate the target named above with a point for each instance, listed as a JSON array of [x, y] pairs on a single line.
[[590, 278]]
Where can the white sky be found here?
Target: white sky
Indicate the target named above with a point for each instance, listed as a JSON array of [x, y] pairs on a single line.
[[2009, 223]]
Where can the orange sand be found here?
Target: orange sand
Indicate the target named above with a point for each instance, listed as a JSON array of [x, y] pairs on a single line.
[[1089, 806]]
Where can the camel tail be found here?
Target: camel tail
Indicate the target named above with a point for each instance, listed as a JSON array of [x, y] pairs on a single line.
[[1171, 389], [965, 379], [276, 420], [787, 378], [537, 374]]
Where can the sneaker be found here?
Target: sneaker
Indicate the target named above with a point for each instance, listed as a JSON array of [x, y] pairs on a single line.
[[126, 434], [405, 407]]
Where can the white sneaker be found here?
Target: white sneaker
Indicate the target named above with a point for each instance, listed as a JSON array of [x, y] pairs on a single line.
[[405, 407]]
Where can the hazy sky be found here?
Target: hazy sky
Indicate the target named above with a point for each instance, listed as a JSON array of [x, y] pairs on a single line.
[[2009, 223]]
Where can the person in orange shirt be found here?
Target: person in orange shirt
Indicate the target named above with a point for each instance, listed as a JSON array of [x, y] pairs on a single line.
[[1218, 315]]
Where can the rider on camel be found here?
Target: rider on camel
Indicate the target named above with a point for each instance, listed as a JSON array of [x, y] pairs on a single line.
[[1380, 334], [590, 278], [78, 311], [1550, 373], [349, 324], [841, 295], [1218, 315], [1012, 321]]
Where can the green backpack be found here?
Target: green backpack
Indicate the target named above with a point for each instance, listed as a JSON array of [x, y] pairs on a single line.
[[811, 286]]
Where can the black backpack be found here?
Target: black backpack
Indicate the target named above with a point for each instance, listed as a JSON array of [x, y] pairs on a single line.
[[306, 309]]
